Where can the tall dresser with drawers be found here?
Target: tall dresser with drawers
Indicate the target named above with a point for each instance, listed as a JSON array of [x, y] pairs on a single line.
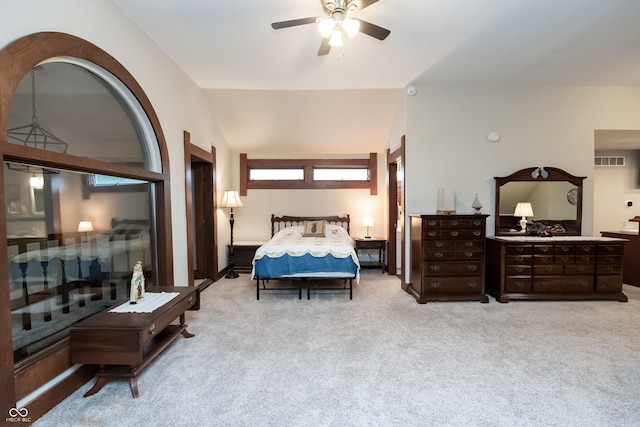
[[555, 268], [447, 258]]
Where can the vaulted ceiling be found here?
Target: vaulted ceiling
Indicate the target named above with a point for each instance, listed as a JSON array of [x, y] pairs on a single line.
[[249, 69]]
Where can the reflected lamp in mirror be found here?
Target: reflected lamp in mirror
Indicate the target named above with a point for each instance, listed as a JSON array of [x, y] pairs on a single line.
[[37, 182], [367, 222], [523, 210], [85, 227]]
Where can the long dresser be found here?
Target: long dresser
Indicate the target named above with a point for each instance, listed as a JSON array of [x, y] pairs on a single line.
[[555, 268], [447, 258]]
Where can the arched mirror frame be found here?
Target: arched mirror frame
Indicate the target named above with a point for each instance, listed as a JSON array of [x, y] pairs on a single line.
[[16, 60], [19, 57], [540, 174]]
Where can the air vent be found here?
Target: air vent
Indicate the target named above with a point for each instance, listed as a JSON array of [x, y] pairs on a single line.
[[609, 161]]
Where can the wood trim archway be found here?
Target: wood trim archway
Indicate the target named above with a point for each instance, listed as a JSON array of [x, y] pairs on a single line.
[[16, 60]]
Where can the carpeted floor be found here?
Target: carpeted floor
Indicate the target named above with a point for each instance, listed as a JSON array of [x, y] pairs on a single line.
[[381, 359]]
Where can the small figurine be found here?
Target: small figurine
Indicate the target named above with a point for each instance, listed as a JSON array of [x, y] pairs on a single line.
[[476, 205], [137, 284]]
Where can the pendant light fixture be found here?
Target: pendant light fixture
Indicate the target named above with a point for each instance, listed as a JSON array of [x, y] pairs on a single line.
[[32, 134]]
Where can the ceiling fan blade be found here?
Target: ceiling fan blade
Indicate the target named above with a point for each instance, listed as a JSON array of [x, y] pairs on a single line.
[[365, 3], [294, 22], [325, 47], [373, 30]]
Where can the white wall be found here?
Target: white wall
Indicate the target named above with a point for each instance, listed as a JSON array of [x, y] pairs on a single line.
[[178, 102], [540, 126], [614, 186]]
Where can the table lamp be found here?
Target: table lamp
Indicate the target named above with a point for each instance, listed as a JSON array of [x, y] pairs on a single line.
[[523, 210]]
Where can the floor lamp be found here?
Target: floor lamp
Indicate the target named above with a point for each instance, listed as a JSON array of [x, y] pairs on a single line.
[[231, 200]]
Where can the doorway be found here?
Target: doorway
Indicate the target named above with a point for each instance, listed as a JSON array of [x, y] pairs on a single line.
[[396, 214], [200, 206]]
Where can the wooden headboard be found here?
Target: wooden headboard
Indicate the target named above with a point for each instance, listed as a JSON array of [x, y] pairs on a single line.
[[280, 222]]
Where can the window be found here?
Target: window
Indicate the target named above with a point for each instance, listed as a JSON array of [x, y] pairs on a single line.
[[276, 174], [323, 174], [308, 173]]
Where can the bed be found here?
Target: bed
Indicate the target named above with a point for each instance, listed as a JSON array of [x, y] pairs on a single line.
[[307, 252]]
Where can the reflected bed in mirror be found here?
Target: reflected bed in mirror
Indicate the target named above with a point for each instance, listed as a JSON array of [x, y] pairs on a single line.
[[555, 197]]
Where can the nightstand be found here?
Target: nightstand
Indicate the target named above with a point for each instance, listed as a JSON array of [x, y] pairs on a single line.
[[243, 253], [372, 243]]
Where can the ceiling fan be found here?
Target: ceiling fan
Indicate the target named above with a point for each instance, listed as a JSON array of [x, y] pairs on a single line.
[[338, 20]]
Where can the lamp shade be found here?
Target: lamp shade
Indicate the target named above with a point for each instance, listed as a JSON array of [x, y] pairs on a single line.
[[36, 182], [231, 199], [336, 37], [523, 209], [351, 26], [367, 221], [85, 226], [326, 27]]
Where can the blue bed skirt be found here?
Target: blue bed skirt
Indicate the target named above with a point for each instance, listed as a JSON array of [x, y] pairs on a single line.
[[290, 266]]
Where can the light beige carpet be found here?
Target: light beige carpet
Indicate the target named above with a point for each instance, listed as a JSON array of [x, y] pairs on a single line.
[[381, 359]]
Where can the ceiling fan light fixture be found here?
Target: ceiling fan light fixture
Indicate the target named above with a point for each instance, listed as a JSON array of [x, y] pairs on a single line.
[[326, 27], [336, 37], [351, 26]]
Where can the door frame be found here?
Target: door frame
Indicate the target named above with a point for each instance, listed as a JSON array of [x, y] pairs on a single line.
[[395, 173], [200, 201]]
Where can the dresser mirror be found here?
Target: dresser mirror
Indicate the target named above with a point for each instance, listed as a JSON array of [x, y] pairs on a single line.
[[554, 197]]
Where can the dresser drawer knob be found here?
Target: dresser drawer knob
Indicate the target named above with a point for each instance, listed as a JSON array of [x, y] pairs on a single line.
[[518, 249], [472, 267], [468, 254], [439, 244], [476, 222], [432, 233], [435, 267], [472, 284], [519, 283], [454, 233], [468, 244], [477, 232], [434, 284], [439, 254], [152, 329], [431, 223]]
